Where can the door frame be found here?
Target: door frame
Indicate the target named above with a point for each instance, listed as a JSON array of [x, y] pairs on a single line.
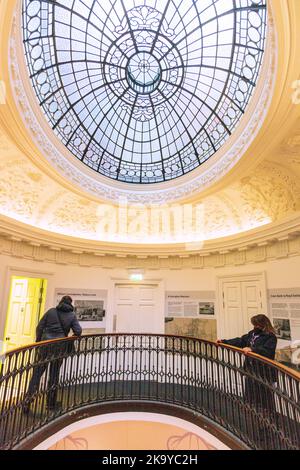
[[221, 280], [19, 272], [114, 282]]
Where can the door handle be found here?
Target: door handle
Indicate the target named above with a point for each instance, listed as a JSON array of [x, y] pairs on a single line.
[[7, 339]]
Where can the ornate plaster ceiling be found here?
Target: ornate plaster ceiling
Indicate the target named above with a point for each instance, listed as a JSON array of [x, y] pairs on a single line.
[[267, 195], [263, 189]]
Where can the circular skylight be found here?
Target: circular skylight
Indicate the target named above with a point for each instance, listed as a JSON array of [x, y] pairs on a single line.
[[144, 91]]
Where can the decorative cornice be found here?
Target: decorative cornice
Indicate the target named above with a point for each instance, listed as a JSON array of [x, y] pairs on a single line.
[[99, 186], [256, 254]]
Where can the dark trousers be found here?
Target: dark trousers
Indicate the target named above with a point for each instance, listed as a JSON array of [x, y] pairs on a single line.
[[258, 387], [261, 400], [260, 396], [53, 380]]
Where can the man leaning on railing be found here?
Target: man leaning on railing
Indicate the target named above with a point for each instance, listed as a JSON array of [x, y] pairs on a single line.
[[56, 323]]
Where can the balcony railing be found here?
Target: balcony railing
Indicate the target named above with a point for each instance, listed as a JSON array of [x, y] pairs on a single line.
[[251, 398]]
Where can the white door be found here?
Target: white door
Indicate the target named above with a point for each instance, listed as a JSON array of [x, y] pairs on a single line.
[[233, 318], [251, 301], [241, 300], [137, 309]]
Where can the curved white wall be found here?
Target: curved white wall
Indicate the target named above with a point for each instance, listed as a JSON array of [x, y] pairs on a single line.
[[279, 274]]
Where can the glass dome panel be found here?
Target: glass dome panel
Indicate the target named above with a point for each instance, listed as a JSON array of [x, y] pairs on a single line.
[[144, 91]]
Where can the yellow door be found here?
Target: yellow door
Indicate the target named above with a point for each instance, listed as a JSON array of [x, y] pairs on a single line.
[[26, 302]]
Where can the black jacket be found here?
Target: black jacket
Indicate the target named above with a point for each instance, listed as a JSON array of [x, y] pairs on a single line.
[[49, 326], [260, 343], [264, 344]]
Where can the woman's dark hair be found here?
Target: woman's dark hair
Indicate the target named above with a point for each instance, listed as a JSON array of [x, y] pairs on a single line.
[[66, 300], [262, 321]]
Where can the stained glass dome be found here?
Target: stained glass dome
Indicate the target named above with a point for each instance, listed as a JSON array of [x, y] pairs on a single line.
[[144, 91]]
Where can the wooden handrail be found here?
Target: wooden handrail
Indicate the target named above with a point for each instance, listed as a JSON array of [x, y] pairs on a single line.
[[278, 365], [40, 343], [153, 335]]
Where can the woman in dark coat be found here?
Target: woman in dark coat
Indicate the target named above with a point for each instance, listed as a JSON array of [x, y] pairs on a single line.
[[259, 377], [261, 340]]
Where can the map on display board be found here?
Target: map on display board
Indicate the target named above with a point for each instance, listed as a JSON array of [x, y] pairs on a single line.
[[89, 304], [191, 313]]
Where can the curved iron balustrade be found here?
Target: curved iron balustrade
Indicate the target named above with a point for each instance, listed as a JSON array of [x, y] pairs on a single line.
[[251, 398]]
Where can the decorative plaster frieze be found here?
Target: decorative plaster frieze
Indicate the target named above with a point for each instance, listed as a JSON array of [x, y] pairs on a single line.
[[18, 249], [197, 262], [38, 253], [276, 250], [86, 260], [60, 257], [239, 257], [272, 190], [294, 245], [282, 249], [40, 202], [220, 260]]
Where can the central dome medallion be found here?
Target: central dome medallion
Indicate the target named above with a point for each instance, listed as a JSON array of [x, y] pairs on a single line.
[[144, 91], [143, 73]]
